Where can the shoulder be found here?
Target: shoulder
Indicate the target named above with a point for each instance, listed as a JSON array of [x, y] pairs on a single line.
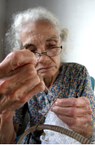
[[73, 69], [72, 65]]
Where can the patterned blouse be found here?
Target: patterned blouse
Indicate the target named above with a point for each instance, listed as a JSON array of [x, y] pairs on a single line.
[[72, 81]]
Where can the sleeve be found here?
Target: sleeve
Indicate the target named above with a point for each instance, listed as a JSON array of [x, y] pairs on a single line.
[[19, 118], [85, 90]]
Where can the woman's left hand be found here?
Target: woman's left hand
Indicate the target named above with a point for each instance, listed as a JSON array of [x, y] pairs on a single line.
[[76, 113]]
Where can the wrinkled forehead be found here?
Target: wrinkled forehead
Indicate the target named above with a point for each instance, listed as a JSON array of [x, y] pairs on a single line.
[[36, 32], [40, 38]]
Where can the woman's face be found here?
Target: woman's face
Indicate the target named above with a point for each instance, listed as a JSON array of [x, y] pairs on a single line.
[[41, 37]]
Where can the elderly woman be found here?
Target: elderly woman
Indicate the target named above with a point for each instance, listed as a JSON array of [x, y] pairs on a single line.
[[33, 77]]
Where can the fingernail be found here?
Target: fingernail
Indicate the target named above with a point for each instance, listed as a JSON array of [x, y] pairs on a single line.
[[53, 108]]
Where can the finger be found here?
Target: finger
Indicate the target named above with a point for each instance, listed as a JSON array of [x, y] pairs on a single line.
[[39, 88], [77, 122], [72, 102], [25, 68], [71, 111], [12, 102], [26, 88], [16, 59], [10, 84], [18, 103]]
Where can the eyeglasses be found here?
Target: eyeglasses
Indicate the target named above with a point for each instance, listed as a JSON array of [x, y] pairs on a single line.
[[50, 52]]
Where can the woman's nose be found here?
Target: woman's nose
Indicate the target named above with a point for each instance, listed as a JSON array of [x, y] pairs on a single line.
[[42, 57]]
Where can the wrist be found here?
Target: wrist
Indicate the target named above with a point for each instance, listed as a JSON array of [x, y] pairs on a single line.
[[7, 132], [7, 114]]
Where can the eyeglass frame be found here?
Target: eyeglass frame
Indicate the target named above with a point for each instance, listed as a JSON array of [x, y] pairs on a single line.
[[45, 52]]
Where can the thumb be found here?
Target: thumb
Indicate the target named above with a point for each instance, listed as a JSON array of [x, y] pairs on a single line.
[[16, 59]]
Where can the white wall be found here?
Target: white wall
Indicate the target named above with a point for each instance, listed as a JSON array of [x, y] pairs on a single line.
[[78, 16], [2, 24]]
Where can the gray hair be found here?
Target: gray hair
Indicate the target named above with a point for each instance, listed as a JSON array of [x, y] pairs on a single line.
[[30, 15]]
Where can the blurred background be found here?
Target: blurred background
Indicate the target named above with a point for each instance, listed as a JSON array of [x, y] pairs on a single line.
[[78, 16]]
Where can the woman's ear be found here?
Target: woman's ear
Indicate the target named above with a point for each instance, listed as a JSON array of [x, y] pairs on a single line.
[[64, 34]]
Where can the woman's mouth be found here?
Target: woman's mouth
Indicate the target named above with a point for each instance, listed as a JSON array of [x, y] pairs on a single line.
[[45, 69]]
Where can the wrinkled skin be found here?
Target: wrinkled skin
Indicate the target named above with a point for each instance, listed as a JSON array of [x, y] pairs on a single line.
[[22, 76], [19, 81], [76, 113]]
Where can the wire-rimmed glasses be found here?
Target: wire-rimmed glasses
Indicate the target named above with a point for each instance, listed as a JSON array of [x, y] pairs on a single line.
[[50, 52]]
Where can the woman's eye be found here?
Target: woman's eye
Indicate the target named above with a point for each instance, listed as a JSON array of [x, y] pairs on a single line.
[[31, 47], [51, 46]]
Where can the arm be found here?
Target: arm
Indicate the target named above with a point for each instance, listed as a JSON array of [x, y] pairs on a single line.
[[19, 81], [7, 131]]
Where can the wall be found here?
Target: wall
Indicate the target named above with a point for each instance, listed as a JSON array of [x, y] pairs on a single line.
[[2, 26], [78, 16]]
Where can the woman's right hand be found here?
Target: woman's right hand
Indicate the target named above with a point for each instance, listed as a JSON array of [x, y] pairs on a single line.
[[19, 80]]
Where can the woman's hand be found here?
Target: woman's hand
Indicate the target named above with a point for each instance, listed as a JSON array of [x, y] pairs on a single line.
[[19, 80], [76, 113]]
